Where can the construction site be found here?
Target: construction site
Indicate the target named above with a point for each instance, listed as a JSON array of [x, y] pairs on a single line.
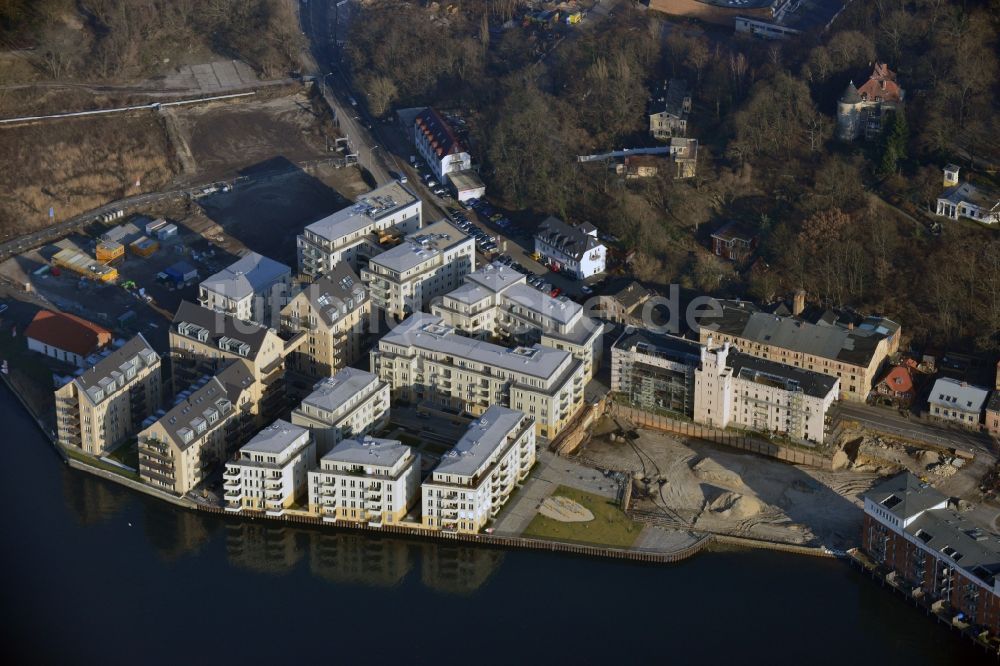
[[679, 482]]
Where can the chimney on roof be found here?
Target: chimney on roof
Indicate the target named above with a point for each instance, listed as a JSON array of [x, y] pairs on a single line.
[[798, 302]]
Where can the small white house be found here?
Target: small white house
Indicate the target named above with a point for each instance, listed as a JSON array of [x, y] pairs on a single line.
[[954, 400], [966, 200], [573, 249]]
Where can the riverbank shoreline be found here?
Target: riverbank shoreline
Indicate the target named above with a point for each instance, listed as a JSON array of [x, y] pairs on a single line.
[[704, 541]]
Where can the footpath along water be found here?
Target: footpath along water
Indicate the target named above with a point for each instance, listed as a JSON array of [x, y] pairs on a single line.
[[95, 573]]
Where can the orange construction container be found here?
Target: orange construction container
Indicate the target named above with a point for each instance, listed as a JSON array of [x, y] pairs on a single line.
[[144, 247], [109, 251]]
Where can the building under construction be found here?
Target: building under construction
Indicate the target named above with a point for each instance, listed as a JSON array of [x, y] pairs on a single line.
[[655, 371]]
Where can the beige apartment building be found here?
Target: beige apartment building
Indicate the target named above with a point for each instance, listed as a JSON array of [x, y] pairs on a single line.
[[855, 355], [365, 480], [424, 360], [473, 481], [334, 314], [102, 407], [268, 473], [203, 341], [433, 262], [496, 302], [353, 234], [209, 421], [351, 404]]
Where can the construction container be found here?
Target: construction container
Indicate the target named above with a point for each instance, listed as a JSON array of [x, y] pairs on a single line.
[[180, 273], [166, 231], [82, 264], [154, 226], [110, 251], [144, 247]]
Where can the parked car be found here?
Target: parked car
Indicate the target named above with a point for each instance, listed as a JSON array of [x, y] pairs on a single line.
[[3, 308], [403, 179], [587, 290], [555, 292]]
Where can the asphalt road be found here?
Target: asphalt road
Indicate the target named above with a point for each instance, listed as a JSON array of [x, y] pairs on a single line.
[[317, 17], [885, 420]]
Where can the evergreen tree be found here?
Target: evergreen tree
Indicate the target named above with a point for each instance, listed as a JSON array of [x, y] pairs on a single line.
[[894, 141]]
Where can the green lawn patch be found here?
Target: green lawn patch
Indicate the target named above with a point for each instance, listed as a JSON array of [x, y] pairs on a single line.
[[610, 526], [127, 454], [100, 464]]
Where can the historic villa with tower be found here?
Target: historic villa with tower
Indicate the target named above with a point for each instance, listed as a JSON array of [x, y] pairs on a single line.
[[861, 111]]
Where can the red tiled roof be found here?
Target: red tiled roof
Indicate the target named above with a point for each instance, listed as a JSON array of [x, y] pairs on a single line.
[[900, 379], [882, 85], [67, 332]]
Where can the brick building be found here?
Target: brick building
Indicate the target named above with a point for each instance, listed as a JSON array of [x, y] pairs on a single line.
[[910, 528]]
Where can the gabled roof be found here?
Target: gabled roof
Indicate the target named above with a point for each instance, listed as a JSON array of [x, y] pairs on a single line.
[[102, 378], [573, 241], [214, 326], [905, 496], [220, 396], [855, 346], [671, 99], [67, 332], [881, 85], [439, 133], [954, 394], [336, 293], [631, 294], [734, 231]]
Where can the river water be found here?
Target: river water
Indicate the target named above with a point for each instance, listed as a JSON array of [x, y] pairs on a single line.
[[94, 573]]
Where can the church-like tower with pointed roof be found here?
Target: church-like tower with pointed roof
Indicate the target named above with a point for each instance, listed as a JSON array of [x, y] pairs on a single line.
[[861, 111]]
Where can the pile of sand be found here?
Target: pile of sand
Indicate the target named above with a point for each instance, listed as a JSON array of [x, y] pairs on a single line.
[[565, 510], [709, 471], [735, 505]]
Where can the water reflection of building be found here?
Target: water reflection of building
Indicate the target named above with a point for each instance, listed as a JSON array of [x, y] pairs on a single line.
[[92, 500], [173, 532], [261, 547], [457, 569], [364, 559]]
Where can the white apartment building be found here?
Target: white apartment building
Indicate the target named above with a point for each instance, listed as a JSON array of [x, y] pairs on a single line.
[[496, 302], [474, 480], [734, 389], [268, 473], [573, 249], [254, 288], [404, 279], [438, 144], [424, 360], [365, 480], [352, 234], [351, 404]]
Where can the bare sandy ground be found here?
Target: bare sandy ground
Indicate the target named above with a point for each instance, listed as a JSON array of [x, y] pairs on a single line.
[[695, 485]]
